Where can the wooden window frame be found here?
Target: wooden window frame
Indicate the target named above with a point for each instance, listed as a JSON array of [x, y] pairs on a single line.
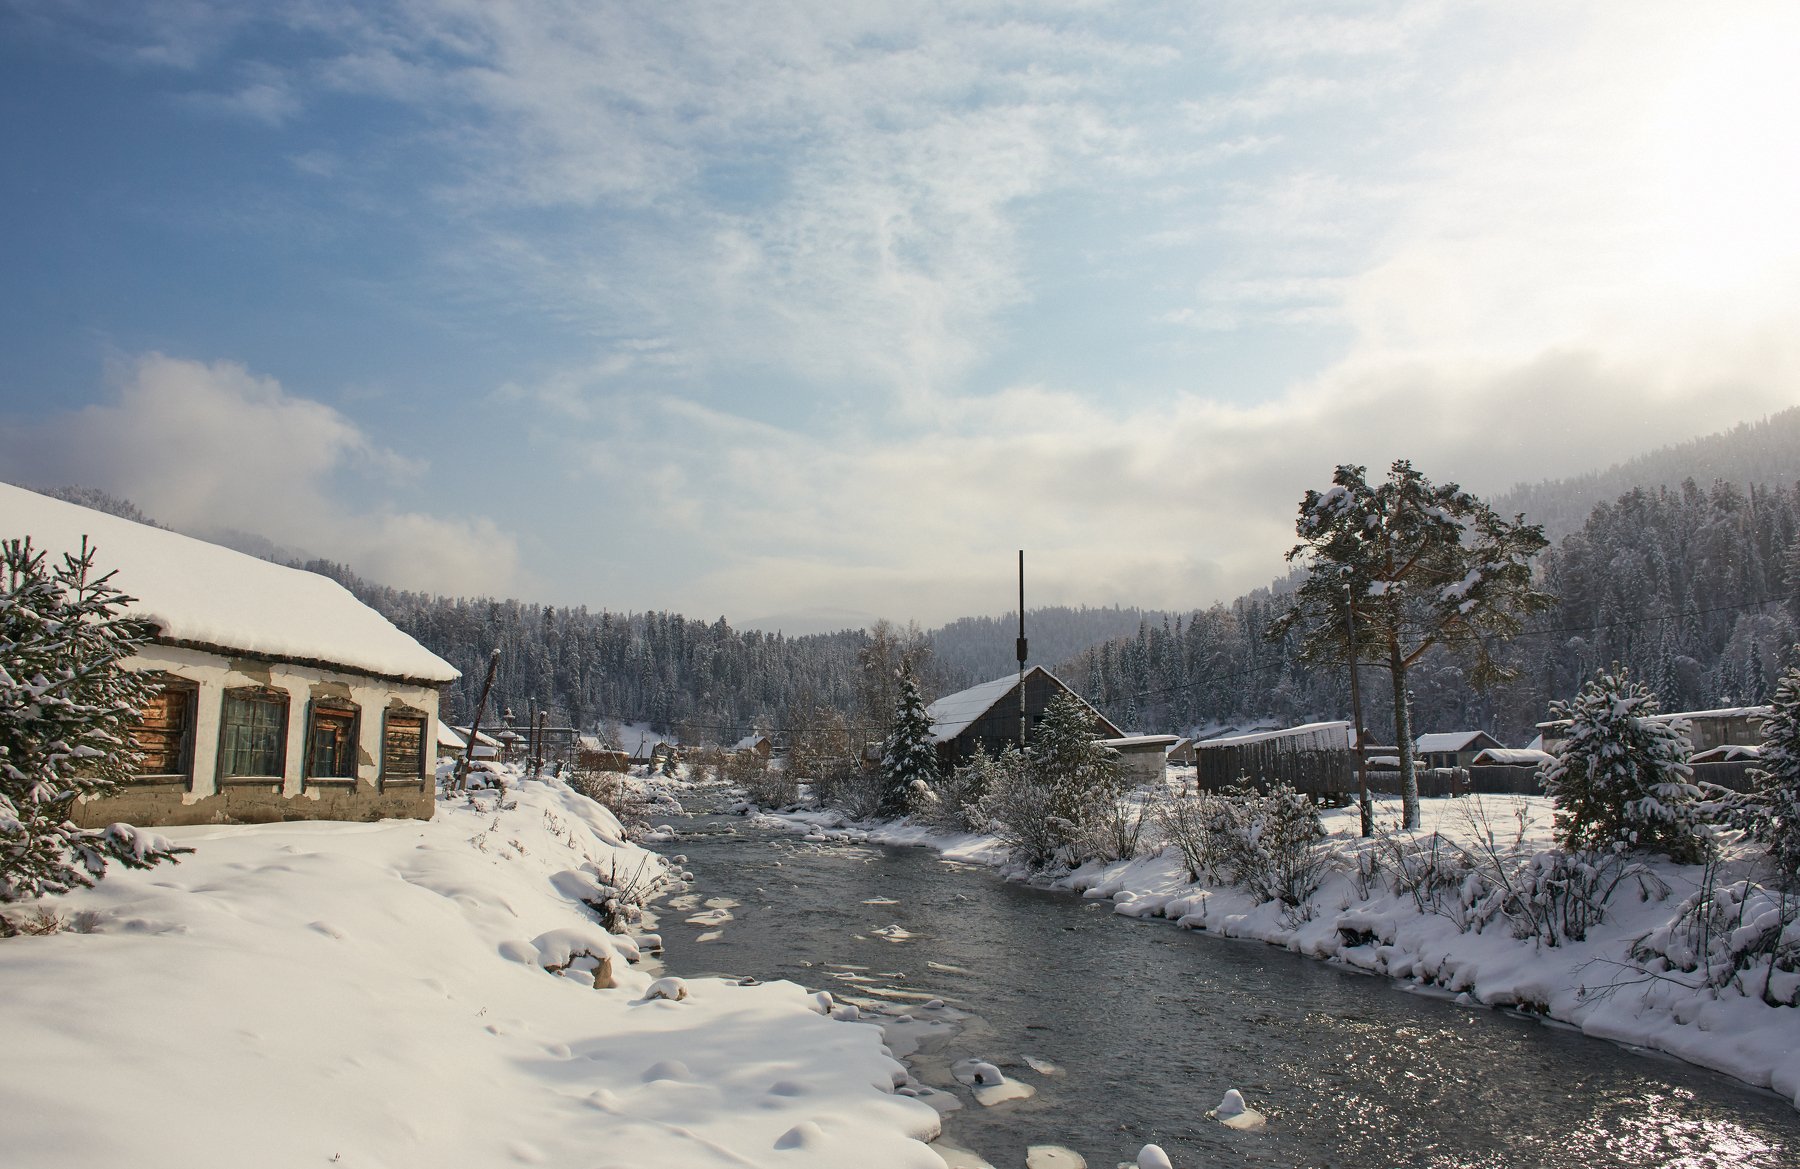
[[388, 777], [262, 695], [336, 708], [190, 689]]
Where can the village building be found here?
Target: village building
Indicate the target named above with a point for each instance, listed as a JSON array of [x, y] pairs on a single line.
[[1143, 759], [1452, 748], [1739, 726], [453, 743], [1316, 758], [1182, 753], [986, 718], [760, 746], [284, 697]]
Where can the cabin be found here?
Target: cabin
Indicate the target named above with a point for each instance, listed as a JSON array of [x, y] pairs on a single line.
[[986, 718], [1316, 758], [1731, 726], [760, 746], [283, 697], [1452, 748]]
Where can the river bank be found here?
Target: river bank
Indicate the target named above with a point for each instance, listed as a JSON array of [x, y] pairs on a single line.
[[1591, 984], [410, 993]]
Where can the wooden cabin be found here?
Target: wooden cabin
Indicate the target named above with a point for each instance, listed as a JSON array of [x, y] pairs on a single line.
[[986, 718]]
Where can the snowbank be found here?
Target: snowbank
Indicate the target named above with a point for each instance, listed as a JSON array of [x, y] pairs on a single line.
[[1587, 984], [415, 993]]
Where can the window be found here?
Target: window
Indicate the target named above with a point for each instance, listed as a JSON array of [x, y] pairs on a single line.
[[166, 735], [253, 734], [403, 747], [331, 742]]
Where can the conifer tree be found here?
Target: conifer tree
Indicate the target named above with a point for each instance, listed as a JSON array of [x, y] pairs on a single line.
[[1778, 781], [1622, 776], [908, 755], [67, 710]]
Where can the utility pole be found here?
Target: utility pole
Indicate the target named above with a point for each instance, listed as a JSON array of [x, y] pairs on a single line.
[[462, 770], [1364, 806], [1022, 651]]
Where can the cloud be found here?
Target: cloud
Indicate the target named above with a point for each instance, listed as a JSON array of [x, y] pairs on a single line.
[[214, 448]]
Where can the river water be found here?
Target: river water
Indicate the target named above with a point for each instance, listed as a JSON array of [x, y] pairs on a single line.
[[1143, 1026]]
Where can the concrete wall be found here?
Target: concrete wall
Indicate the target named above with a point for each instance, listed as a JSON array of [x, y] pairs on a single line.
[[204, 797]]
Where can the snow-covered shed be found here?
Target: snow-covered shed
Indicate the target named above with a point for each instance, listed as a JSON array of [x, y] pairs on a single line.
[[284, 697], [1315, 758], [1452, 748], [452, 741], [986, 717], [1142, 758], [760, 746]]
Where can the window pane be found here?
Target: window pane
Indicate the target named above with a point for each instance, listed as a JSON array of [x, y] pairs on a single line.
[[252, 740], [332, 749]]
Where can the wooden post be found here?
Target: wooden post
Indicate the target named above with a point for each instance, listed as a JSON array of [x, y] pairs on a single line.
[[1022, 650], [462, 771]]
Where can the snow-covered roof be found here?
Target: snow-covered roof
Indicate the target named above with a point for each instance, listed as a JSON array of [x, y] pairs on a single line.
[[1447, 740], [447, 737], [749, 742], [1512, 756], [211, 597], [1336, 734], [1140, 742], [1717, 713], [1729, 753], [951, 715]]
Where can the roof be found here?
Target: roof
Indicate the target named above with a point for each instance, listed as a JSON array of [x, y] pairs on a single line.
[[1729, 753], [1334, 734], [1448, 740], [1512, 756], [952, 714], [213, 598], [1141, 742], [1719, 712], [749, 741]]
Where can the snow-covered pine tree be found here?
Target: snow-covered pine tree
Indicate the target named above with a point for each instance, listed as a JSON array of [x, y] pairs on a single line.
[[1622, 777], [67, 709], [908, 755], [1777, 794]]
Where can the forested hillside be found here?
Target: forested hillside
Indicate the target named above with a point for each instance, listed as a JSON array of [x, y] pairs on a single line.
[[1693, 589]]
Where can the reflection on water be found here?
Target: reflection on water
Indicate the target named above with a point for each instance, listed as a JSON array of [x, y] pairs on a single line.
[[1129, 1031]]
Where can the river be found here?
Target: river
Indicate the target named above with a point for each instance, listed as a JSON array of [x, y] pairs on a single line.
[[1144, 1026]]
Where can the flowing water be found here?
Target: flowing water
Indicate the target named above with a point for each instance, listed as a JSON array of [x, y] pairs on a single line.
[[1130, 1031]]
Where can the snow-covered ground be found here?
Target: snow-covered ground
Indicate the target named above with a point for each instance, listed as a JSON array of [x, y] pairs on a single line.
[[1588, 984], [323, 993]]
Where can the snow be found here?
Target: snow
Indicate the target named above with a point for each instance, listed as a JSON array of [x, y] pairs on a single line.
[[1126, 742], [1513, 756], [216, 598], [378, 994]]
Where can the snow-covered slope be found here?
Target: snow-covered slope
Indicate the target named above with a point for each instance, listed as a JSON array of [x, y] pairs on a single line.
[[313, 994]]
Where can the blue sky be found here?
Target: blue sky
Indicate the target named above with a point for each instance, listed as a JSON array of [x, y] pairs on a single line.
[[818, 311]]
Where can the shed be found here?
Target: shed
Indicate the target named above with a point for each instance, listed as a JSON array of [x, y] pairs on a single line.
[[1182, 753], [986, 717], [759, 745], [1315, 758], [284, 697], [1142, 758], [1724, 726]]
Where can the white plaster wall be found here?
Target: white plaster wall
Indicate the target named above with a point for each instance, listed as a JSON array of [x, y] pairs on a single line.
[[217, 673]]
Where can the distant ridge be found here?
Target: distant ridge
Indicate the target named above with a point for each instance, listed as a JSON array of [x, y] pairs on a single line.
[[1766, 453]]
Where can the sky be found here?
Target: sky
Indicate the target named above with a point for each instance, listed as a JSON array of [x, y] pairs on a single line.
[[808, 313]]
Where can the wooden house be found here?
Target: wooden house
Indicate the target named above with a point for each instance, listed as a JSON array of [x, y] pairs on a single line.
[[1452, 748], [760, 746], [1731, 726], [283, 696], [986, 718]]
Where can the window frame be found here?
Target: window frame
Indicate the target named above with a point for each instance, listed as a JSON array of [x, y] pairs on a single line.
[[260, 696], [184, 736], [336, 709], [387, 775]]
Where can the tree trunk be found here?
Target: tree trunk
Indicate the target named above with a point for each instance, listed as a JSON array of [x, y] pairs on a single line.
[[1409, 775]]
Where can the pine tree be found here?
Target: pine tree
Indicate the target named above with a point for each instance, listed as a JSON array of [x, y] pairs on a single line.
[[1778, 781], [67, 709], [1622, 776], [908, 755]]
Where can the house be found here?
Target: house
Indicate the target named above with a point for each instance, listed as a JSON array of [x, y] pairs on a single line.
[[1142, 758], [986, 718], [284, 697], [1315, 758], [453, 740], [759, 745], [1452, 748], [1182, 753]]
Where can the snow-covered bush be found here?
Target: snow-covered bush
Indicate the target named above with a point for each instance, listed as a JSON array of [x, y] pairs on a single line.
[[1558, 896], [1622, 777], [955, 802], [1190, 821], [1740, 935], [1273, 843], [1115, 831], [1046, 805], [67, 709]]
